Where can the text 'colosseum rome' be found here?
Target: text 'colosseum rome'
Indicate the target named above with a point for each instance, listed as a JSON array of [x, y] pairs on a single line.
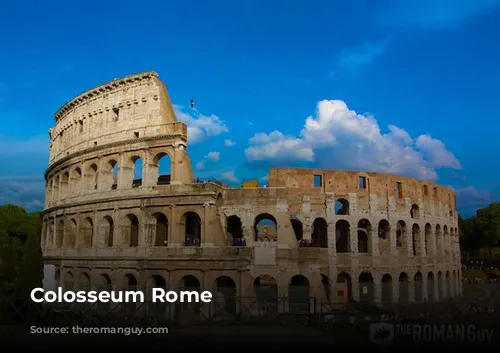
[[331, 235]]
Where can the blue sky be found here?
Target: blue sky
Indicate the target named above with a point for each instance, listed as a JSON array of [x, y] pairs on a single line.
[[410, 87]]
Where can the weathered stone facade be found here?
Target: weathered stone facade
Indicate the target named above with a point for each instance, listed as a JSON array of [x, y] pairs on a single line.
[[387, 238]]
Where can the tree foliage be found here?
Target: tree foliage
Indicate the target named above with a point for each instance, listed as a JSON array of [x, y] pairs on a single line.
[[481, 230]]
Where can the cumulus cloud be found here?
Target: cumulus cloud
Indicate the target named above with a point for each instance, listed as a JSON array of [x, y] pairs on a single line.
[[229, 177], [213, 156], [229, 143], [469, 196], [337, 137], [200, 165], [200, 127], [27, 191]]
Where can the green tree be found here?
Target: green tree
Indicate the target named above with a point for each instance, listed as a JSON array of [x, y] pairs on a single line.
[[483, 229]]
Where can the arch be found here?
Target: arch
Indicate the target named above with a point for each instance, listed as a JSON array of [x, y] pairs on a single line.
[[343, 287], [226, 289], [110, 175], [298, 292], [429, 250], [415, 238], [320, 233], [325, 282], [387, 288], [384, 229], [343, 237], [108, 229], [69, 281], [137, 171], [161, 229], [364, 236], [219, 201], [448, 287], [163, 164], [64, 184], [366, 288], [266, 291], [84, 282], [419, 286], [190, 283], [132, 230], [158, 281], [130, 282], [91, 177], [71, 233], [234, 229], [88, 232], [298, 229], [75, 177], [415, 211], [430, 287], [105, 283], [60, 234], [341, 207], [440, 286], [265, 227], [404, 288], [192, 229], [401, 237]]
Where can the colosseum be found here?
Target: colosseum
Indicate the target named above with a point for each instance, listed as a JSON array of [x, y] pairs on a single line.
[[331, 235]]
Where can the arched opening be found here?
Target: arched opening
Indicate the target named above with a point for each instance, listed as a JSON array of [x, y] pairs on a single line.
[[266, 291], [105, 283], [342, 207], [161, 230], [401, 235], [163, 161], [449, 292], [75, 178], [297, 230], [440, 286], [404, 288], [384, 233], [109, 230], [415, 212], [439, 240], [226, 289], [342, 235], [446, 241], [387, 288], [137, 171], [192, 284], [133, 230], [91, 177], [60, 234], [130, 282], [430, 287], [192, 229], [366, 288], [419, 287], [88, 232], [84, 282], [69, 281], [298, 290], [109, 175], [454, 283], [71, 233], [325, 282], [320, 233], [428, 239], [159, 282], [265, 228], [50, 233], [64, 185], [55, 188], [364, 236], [234, 230], [415, 238], [343, 287]]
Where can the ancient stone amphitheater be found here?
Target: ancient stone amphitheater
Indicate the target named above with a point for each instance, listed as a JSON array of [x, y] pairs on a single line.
[[326, 234]]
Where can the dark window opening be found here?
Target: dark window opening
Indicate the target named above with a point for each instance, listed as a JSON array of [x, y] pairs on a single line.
[[136, 134], [426, 190], [318, 181], [116, 114], [399, 189], [362, 182]]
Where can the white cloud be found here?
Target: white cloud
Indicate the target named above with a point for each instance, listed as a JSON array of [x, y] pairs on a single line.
[[27, 191], [469, 196], [229, 177], [200, 127], [213, 156], [265, 177], [229, 143], [340, 138], [200, 165]]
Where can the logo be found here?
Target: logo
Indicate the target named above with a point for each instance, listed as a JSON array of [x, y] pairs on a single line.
[[381, 333]]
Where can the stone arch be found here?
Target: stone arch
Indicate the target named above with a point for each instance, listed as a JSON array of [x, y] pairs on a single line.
[[91, 177], [343, 236], [64, 184], [298, 229], [439, 240], [191, 222], [418, 287], [415, 239], [105, 283], [343, 286], [190, 283], [325, 283], [161, 229], [320, 233], [225, 288], [50, 233], [158, 281], [387, 288], [234, 230], [401, 235], [109, 175], [429, 250], [265, 227], [84, 282], [266, 291], [430, 286], [107, 230], [69, 281], [60, 234], [298, 292], [364, 236], [404, 288], [440, 286], [130, 282], [163, 166], [75, 178], [366, 288], [55, 187], [454, 282], [131, 236], [415, 211], [341, 207], [448, 291], [88, 232], [137, 171], [71, 233], [384, 235]]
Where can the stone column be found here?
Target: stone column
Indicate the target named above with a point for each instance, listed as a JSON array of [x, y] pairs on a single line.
[[374, 242], [395, 288], [353, 239], [206, 236], [332, 241], [393, 240]]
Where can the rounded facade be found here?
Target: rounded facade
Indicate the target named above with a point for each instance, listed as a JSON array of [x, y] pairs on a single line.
[[123, 210]]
